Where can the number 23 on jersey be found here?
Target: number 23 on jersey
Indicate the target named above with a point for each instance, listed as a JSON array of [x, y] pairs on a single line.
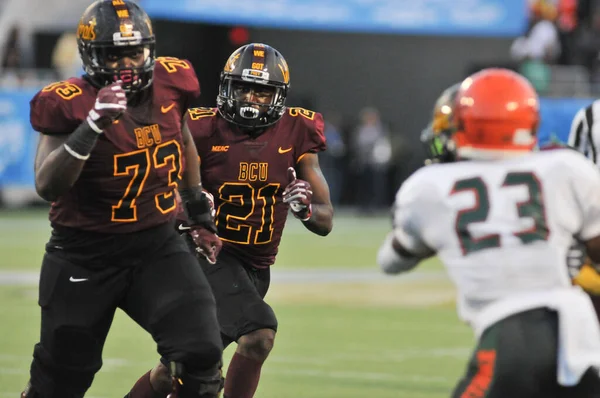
[[532, 208]]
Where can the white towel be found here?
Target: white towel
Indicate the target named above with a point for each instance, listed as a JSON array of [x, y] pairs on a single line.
[[578, 327], [579, 336]]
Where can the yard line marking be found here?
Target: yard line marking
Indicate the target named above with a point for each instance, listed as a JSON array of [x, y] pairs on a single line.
[[288, 276], [369, 376], [384, 357]]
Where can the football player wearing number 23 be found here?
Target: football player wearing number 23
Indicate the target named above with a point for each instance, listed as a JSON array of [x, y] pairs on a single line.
[[501, 217], [259, 159], [110, 157]]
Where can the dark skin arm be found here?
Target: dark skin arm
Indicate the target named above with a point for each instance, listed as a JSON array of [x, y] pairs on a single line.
[[55, 169], [592, 247], [191, 174], [321, 221]]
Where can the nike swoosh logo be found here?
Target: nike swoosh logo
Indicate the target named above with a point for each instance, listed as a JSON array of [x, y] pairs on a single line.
[[284, 150], [77, 279], [165, 109], [183, 227]]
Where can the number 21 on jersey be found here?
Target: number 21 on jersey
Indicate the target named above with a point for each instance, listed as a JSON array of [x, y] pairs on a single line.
[[532, 208], [241, 205]]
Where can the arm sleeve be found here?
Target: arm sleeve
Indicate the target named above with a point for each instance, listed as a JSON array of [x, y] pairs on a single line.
[[413, 202], [585, 181], [578, 132], [312, 137], [191, 88], [200, 122], [583, 135], [50, 115], [179, 75]]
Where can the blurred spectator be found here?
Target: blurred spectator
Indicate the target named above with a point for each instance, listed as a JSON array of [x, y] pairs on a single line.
[[588, 47], [540, 46], [332, 160], [540, 42], [65, 57], [567, 22], [11, 58], [373, 152]]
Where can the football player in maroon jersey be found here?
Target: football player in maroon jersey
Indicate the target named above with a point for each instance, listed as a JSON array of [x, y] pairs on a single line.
[[259, 159], [110, 158]]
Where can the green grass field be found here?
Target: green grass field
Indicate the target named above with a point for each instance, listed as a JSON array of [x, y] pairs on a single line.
[[378, 337]]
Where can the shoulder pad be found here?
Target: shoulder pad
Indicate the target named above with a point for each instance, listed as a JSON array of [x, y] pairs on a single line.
[[201, 121], [60, 107], [177, 74], [308, 128]]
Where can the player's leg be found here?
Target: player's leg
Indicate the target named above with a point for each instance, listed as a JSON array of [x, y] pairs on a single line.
[[244, 317], [77, 306], [516, 357], [155, 383], [171, 298]]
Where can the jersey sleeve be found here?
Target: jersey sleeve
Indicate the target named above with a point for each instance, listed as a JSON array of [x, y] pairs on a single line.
[[310, 134], [56, 109], [200, 121], [414, 202], [585, 180], [179, 75]]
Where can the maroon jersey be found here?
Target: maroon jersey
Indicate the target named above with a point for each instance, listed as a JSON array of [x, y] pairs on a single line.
[[247, 176], [129, 180]]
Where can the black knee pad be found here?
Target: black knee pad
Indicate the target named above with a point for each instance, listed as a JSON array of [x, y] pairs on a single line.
[[189, 331], [259, 315], [198, 358], [204, 384], [68, 366], [77, 348]]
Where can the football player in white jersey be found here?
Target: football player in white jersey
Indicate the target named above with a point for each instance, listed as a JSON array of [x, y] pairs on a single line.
[[501, 217]]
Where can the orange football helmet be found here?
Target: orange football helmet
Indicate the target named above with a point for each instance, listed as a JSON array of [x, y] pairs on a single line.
[[496, 115]]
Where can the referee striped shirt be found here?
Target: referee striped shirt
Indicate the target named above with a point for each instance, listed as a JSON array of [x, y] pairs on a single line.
[[585, 131]]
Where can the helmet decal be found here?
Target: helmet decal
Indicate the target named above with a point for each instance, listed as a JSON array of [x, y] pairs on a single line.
[[86, 31]]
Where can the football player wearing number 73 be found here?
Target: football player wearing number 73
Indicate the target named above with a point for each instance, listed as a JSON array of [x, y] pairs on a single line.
[[259, 159], [110, 158], [501, 217]]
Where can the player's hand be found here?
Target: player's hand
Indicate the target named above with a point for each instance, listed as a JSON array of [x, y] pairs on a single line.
[[298, 194], [211, 202], [207, 243], [110, 104], [205, 235], [582, 269]]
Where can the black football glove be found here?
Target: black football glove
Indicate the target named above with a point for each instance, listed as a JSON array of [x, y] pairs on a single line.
[[201, 226]]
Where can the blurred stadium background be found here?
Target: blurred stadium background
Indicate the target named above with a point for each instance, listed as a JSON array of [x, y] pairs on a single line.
[[374, 69]]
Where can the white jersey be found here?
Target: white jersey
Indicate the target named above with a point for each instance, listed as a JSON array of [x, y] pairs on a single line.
[[502, 228]]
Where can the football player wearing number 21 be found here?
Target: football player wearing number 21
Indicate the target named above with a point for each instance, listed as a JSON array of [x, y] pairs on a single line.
[[110, 157], [259, 159]]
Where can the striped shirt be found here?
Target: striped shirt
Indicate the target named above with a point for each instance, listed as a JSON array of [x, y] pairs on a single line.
[[585, 133]]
